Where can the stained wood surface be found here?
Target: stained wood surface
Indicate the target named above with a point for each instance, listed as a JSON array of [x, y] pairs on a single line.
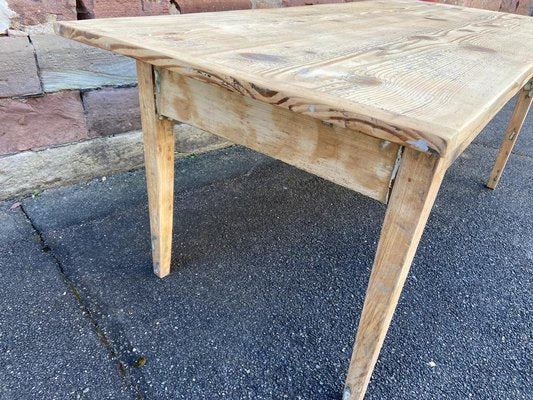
[[423, 74], [361, 163], [158, 138]]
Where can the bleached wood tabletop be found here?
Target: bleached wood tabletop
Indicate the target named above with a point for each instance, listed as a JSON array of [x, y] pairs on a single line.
[[377, 96]]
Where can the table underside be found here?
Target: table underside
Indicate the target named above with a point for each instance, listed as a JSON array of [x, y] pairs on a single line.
[[359, 162]]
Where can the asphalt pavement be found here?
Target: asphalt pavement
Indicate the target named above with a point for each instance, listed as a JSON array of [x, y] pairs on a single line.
[[269, 270]]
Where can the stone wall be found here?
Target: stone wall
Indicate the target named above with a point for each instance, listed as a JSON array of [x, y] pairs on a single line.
[[76, 103], [511, 6]]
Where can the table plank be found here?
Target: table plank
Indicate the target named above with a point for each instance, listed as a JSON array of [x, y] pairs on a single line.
[[425, 75], [361, 163]]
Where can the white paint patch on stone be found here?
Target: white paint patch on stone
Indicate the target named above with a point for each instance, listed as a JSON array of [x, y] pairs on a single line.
[[5, 15]]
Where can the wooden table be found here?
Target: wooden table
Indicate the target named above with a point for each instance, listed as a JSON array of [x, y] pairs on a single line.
[[379, 96]]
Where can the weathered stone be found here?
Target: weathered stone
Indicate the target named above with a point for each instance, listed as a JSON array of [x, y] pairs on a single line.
[[122, 8], [517, 6], [32, 12], [112, 110], [5, 17], [66, 64], [196, 6], [294, 3], [493, 5], [266, 3], [18, 71], [41, 121], [297, 3], [31, 171], [16, 33], [509, 6], [155, 7], [40, 29]]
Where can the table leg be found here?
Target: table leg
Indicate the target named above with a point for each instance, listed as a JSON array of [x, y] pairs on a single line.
[[521, 109], [414, 192], [158, 137]]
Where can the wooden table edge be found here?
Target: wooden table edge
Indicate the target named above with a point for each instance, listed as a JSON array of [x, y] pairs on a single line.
[[408, 132], [423, 163]]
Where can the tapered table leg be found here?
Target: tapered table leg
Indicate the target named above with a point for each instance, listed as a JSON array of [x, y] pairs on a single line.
[[158, 140], [525, 97], [414, 192]]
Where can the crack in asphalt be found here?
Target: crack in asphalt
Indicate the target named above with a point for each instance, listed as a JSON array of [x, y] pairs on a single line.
[[122, 367]]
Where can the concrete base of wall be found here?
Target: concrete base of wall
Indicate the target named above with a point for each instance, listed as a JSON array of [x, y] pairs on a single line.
[[32, 171]]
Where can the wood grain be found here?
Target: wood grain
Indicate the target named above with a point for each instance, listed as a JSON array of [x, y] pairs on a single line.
[[523, 103], [158, 137], [428, 76], [358, 162], [414, 192], [339, 90]]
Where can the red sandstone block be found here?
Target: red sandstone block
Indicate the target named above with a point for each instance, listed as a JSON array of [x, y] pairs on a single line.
[[155, 7], [297, 3], [123, 8], [267, 3], [196, 6], [516, 6], [41, 121], [32, 12], [113, 110], [509, 6], [493, 5]]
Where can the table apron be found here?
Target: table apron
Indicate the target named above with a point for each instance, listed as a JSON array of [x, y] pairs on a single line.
[[344, 156]]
